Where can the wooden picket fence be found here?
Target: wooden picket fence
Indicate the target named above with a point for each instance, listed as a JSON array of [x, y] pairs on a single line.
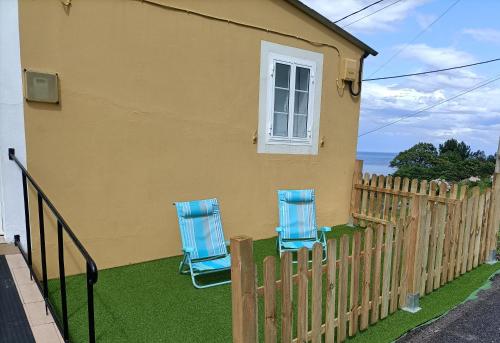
[[396, 258], [380, 199]]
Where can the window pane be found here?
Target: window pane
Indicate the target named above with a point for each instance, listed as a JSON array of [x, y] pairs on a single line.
[[301, 102], [302, 79], [280, 125], [281, 100], [282, 75], [300, 126]]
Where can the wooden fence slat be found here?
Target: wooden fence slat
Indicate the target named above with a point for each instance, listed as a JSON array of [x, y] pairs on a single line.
[[425, 244], [413, 190], [443, 189], [355, 192], [417, 230], [395, 200], [448, 238], [342, 296], [473, 228], [455, 227], [461, 233], [386, 273], [395, 266], [331, 277], [371, 197], [243, 295], [404, 201], [479, 230], [378, 212], [302, 296], [440, 232], [270, 325], [403, 281], [367, 267], [387, 198], [454, 191], [317, 283], [376, 276], [433, 186], [494, 215], [354, 304], [484, 241], [423, 187], [364, 198], [286, 297], [468, 226], [429, 253]]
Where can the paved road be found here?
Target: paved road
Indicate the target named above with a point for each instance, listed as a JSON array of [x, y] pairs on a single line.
[[474, 321]]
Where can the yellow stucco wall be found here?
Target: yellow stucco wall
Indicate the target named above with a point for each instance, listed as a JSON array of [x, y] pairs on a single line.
[[160, 106]]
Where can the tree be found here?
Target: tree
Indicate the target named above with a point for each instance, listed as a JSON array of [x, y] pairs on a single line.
[[452, 161], [418, 162], [452, 147]]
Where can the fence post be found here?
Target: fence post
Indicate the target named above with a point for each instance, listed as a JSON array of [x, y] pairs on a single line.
[[355, 193], [494, 221], [243, 290], [414, 252]]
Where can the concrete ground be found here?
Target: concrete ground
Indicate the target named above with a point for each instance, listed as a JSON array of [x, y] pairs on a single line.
[[29, 302], [477, 320]]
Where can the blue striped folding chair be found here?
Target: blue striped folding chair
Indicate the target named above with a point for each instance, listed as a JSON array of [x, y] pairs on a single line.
[[203, 243], [297, 215]]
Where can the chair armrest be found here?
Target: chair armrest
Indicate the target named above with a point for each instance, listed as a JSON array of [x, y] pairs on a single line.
[[326, 229], [279, 229], [187, 250]]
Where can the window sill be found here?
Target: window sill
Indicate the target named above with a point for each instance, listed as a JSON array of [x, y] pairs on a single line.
[[277, 141]]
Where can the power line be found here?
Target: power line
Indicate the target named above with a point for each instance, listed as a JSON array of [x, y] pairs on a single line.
[[477, 86], [353, 13], [415, 38], [432, 71], [368, 15]]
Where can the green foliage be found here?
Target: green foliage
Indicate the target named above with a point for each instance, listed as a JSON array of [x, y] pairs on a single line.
[[452, 161]]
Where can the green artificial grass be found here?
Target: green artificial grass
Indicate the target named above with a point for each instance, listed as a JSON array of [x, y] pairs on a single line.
[[152, 302]]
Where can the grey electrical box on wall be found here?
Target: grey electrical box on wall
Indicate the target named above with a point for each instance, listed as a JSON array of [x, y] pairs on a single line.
[[41, 87], [350, 69]]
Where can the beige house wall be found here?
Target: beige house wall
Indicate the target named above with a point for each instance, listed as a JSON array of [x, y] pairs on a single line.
[[160, 106]]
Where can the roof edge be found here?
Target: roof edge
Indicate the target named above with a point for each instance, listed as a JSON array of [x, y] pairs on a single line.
[[335, 28]]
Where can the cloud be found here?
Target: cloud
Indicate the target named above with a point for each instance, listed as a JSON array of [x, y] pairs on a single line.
[[436, 57], [484, 35], [474, 117], [382, 21], [424, 20]]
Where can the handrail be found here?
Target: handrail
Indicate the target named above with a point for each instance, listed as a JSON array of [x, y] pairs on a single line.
[[92, 271], [66, 227]]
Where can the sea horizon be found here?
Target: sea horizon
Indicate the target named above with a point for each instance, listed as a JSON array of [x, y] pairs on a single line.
[[376, 162]]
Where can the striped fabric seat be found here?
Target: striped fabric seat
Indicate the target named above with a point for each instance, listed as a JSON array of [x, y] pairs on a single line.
[[297, 215], [220, 263], [202, 239], [201, 228]]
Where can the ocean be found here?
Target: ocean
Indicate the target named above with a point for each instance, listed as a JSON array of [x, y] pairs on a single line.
[[376, 162]]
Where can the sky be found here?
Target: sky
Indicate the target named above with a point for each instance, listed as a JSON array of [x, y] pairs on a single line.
[[469, 32]]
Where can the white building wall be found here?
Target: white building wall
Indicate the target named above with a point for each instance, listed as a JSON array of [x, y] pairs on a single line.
[[11, 123]]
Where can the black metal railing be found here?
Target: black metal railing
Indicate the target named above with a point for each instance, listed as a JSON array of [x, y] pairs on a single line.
[[62, 226]]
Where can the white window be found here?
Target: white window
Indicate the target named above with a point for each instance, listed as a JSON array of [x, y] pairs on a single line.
[[290, 92]]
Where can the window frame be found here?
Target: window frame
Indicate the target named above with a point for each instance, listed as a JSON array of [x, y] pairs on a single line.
[[266, 141], [293, 62]]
